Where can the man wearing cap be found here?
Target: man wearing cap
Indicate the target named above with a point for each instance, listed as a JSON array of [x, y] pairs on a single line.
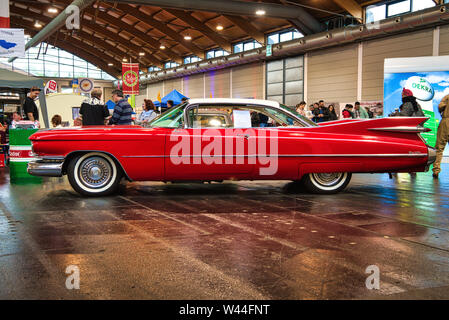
[[442, 134], [122, 111], [29, 106]]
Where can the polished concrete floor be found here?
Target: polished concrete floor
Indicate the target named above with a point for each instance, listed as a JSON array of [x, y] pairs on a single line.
[[236, 240]]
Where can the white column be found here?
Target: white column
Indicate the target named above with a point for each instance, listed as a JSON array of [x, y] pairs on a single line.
[[436, 42], [264, 80], [305, 84], [359, 71], [230, 83], [204, 84]]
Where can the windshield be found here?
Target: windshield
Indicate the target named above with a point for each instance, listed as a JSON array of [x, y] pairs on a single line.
[[305, 119], [172, 118]]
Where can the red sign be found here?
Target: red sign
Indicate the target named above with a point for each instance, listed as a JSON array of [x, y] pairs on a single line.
[[130, 77], [51, 86], [4, 13]]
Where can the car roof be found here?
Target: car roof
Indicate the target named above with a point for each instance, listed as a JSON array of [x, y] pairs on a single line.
[[267, 103]]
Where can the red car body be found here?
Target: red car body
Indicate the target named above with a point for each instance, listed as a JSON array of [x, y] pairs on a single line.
[[146, 154]]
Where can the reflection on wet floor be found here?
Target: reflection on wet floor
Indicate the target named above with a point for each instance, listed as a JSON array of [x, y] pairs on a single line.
[[235, 240]]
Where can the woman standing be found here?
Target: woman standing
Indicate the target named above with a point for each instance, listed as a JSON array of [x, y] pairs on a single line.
[[332, 114], [300, 108], [409, 107]]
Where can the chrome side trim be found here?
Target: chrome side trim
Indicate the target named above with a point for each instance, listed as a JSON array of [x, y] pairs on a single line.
[[44, 169], [52, 158], [386, 155], [143, 156], [401, 129]]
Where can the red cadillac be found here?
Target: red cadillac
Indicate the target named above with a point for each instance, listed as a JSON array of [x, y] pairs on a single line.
[[237, 139]]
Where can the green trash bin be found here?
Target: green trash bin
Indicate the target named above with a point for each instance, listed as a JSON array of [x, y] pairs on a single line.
[[19, 156]]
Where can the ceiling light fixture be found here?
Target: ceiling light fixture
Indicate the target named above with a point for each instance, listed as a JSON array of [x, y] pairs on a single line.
[[162, 47], [110, 64], [124, 60], [260, 12], [141, 54], [52, 10], [219, 27], [37, 24], [187, 38]]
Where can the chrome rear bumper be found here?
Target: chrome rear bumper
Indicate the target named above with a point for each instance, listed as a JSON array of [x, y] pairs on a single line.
[[432, 155], [42, 168]]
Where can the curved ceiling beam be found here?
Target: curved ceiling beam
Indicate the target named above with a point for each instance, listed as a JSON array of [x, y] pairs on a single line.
[[161, 26], [22, 12], [146, 40], [142, 36], [75, 51], [94, 51], [133, 48], [54, 25], [232, 7], [201, 27], [98, 42], [247, 27], [352, 7]]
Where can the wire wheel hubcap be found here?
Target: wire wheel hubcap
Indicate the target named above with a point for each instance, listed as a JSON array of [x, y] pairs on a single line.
[[328, 179], [95, 172]]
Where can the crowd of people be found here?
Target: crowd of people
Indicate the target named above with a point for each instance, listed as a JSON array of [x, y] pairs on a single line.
[[93, 112], [319, 112]]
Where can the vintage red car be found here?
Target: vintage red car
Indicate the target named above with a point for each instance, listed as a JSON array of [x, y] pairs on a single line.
[[237, 139]]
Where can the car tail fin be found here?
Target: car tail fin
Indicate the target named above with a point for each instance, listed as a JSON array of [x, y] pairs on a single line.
[[390, 125]]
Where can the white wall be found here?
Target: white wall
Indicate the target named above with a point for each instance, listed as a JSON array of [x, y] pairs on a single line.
[[60, 103]]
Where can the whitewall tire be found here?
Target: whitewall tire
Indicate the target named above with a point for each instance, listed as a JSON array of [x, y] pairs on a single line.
[[94, 174], [326, 183]]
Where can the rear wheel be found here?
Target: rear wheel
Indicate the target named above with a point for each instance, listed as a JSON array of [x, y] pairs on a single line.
[[326, 183], [94, 174]]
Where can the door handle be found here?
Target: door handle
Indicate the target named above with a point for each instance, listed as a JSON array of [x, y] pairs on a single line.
[[246, 136]]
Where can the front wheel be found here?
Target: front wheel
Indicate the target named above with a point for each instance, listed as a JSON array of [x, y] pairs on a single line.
[[94, 174], [326, 183]]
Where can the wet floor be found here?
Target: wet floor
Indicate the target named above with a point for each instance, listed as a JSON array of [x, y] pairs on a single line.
[[235, 240]]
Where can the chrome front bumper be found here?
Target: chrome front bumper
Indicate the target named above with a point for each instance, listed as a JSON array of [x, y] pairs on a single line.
[[42, 168]]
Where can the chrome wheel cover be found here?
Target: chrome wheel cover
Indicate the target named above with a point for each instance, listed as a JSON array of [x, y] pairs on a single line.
[[95, 172], [328, 179]]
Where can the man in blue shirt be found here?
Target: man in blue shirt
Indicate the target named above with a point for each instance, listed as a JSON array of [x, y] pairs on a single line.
[[122, 110]]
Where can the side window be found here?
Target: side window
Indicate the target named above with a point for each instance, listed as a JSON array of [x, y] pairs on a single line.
[[282, 119], [210, 117], [269, 117], [260, 118]]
